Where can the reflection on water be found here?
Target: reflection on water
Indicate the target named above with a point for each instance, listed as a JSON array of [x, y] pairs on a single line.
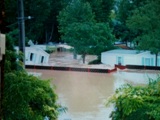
[[84, 93]]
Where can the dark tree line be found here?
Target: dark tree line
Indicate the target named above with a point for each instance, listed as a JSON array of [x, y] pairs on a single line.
[[44, 25], [135, 21]]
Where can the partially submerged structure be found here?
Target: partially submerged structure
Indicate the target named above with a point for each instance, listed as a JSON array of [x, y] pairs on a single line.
[[128, 57], [34, 56]]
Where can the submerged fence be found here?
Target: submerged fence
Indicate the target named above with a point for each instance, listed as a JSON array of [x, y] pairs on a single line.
[[143, 67], [95, 70], [69, 68]]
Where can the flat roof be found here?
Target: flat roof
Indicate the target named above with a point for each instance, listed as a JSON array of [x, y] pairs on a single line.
[[122, 51]]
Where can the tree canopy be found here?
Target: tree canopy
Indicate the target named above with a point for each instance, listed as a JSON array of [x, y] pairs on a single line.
[[102, 9], [75, 12], [79, 28], [28, 98], [43, 26], [145, 21], [124, 9]]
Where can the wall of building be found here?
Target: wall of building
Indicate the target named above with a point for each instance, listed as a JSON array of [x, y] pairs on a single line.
[[36, 56], [145, 58], [108, 59]]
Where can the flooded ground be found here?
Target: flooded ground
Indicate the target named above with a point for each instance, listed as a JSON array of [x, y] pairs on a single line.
[[84, 93], [66, 58]]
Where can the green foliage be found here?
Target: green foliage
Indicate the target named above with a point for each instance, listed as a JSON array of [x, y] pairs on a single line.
[[76, 36], [75, 12], [74, 21], [103, 37], [143, 21], [97, 39], [125, 10], [11, 56], [140, 102], [44, 14], [102, 9], [14, 35], [40, 10], [15, 64], [10, 8], [80, 30], [28, 98]]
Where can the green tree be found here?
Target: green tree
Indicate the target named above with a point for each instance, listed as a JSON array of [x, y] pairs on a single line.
[[140, 102], [89, 38], [102, 9], [43, 26], [26, 97], [80, 30], [11, 55], [39, 9], [103, 38], [124, 9], [143, 22], [75, 12]]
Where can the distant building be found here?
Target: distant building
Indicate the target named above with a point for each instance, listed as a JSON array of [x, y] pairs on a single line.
[[35, 56], [128, 57]]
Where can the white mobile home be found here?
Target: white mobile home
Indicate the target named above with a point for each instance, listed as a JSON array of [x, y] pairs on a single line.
[[34, 56], [128, 57]]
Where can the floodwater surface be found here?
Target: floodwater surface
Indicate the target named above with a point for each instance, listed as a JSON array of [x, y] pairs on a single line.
[[85, 94]]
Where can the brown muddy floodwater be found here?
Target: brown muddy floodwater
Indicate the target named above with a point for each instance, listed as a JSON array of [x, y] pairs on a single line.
[[84, 93]]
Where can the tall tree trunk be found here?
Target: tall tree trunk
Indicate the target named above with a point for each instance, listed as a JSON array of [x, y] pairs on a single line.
[[83, 57], [156, 55], [46, 36], [50, 38]]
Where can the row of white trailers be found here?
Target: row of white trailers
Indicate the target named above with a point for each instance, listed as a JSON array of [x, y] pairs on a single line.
[[129, 57]]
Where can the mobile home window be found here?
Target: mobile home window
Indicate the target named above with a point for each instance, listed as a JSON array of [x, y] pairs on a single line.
[[31, 56], [148, 61], [119, 60], [42, 59]]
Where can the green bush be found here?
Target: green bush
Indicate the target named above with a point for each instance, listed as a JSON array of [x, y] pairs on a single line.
[[28, 98], [137, 102]]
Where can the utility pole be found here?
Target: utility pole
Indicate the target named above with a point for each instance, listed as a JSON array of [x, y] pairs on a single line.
[[21, 25], [2, 62]]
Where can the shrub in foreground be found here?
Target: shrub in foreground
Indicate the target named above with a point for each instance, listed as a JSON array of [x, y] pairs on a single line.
[[137, 102], [28, 98]]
